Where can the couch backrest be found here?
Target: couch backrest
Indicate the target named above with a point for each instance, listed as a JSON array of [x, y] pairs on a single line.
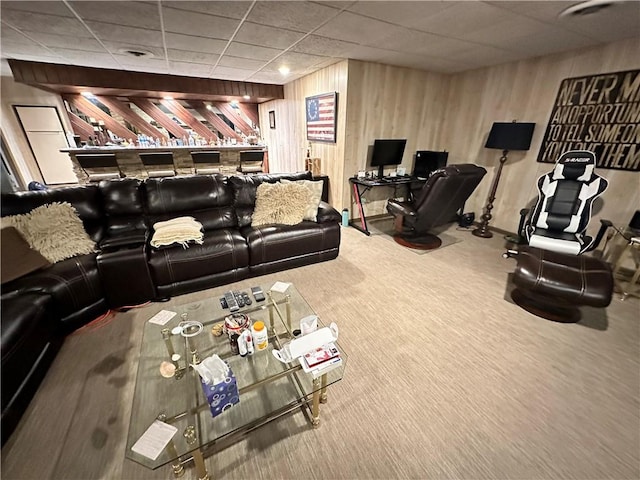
[[244, 191], [207, 198], [86, 199], [123, 205]]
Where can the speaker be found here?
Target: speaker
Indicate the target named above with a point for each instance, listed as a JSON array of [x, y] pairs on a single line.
[[466, 219]]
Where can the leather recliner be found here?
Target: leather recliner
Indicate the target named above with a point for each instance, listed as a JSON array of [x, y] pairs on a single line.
[[436, 203]]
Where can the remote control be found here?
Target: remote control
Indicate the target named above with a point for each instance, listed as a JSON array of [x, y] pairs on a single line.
[[223, 303], [231, 301], [257, 294], [239, 299]]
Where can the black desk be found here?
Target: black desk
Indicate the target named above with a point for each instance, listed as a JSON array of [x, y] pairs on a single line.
[[360, 186]]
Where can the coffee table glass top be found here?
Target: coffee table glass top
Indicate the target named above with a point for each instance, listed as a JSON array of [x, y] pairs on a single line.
[[267, 387]]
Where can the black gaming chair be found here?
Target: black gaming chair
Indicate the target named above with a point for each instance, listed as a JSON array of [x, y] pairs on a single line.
[[565, 197], [436, 204]]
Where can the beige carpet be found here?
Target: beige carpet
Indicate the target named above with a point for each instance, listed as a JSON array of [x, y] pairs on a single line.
[[446, 379]]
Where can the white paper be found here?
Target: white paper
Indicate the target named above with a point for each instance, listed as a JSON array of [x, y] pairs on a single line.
[[153, 441], [162, 317], [280, 287]]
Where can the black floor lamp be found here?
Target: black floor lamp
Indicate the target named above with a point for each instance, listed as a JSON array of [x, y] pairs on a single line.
[[505, 137]]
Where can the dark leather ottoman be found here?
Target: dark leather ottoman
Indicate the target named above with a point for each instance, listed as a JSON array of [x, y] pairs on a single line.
[[553, 285]]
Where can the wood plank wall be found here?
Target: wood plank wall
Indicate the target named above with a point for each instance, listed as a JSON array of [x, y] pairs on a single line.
[[287, 143], [526, 91]]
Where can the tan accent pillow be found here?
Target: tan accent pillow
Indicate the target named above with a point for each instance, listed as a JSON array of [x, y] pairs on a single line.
[[280, 203], [54, 230], [315, 188]]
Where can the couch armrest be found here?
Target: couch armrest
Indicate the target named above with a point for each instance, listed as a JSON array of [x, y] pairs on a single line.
[[328, 214], [125, 240]]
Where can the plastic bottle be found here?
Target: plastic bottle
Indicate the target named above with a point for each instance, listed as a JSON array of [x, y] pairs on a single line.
[[345, 217], [260, 337]]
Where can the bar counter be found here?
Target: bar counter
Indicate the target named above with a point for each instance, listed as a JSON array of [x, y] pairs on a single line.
[[131, 166]]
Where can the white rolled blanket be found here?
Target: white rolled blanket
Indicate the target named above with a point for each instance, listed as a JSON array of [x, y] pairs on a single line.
[[180, 230]]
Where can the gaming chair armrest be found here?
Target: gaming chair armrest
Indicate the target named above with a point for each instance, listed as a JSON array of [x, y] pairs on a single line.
[[400, 208], [523, 217], [604, 225]]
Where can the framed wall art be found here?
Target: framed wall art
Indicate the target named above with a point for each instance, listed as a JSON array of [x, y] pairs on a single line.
[[272, 119], [321, 113]]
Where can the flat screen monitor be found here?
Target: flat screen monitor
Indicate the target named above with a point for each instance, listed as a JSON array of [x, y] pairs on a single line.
[[428, 161], [387, 152]]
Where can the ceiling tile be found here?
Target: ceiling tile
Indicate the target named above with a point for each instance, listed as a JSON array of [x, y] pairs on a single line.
[[66, 41], [129, 35], [133, 14], [272, 37], [45, 23], [408, 14], [245, 50], [317, 45], [297, 16], [190, 69], [228, 73], [270, 77], [548, 40], [296, 62], [242, 63], [357, 29], [462, 18], [48, 8], [209, 26], [196, 44], [235, 10], [26, 47], [87, 59], [192, 57]]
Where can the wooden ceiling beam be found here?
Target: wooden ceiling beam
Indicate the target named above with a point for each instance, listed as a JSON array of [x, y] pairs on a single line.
[[130, 116], [213, 119], [89, 109], [159, 116], [233, 115], [186, 116], [80, 127]]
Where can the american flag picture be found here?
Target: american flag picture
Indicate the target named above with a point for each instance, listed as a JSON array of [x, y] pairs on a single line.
[[321, 117]]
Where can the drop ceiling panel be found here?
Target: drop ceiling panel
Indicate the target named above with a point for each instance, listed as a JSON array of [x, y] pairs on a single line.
[[243, 63], [297, 62], [245, 50], [65, 41], [408, 14], [12, 48], [192, 57], [463, 17], [255, 34], [196, 44], [45, 23], [297, 16], [358, 29], [229, 73], [210, 26], [130, 35], [79, 57], [47, 8], [189, 69], [317, 45], [235, 10], [133, 14]]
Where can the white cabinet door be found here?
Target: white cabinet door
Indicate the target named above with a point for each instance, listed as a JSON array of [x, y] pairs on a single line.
[[46, 137]]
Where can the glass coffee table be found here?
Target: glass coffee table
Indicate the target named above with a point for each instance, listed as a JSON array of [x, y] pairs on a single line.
[[267, 387]]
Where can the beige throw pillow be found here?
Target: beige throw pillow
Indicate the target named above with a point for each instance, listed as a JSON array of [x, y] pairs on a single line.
[[315, 188], [54, 230], [280, 203]]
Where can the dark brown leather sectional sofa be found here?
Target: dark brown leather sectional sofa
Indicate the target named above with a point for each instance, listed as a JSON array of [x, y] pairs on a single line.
[[39, 309]]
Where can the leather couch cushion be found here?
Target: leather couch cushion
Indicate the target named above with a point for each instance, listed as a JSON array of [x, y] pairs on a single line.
[[86, 200], [244, 191], [73, 283], [124, 211], [207, 198], [277, 242], [222, 250]]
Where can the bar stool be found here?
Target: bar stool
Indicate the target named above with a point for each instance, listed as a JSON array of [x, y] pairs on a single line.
[[101, 166], [206, 162], [161, 164], [251, 161]]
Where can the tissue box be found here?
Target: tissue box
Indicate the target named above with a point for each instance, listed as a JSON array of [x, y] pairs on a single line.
[[221, 396]]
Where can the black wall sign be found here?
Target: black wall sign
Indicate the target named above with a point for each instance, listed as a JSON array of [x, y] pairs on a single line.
[[600, 113]]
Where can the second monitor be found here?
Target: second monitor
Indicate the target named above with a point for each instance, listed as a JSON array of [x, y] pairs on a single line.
[[387, 152], [428, 161]]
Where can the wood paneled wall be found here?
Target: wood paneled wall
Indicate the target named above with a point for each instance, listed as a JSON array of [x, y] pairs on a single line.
[[526, 91], [288, 143]]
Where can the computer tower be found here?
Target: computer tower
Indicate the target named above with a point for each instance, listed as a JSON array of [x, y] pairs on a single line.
[[428, 161]]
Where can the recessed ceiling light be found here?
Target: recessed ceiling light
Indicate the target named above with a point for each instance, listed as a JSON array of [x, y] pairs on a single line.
[[246, 97], [135, 52], [586, 8], [168, 98], [87, 94], [234, 102], [284, 70], [209, 107]]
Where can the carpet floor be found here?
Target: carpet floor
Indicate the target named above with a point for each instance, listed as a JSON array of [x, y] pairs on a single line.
[[446, 379]]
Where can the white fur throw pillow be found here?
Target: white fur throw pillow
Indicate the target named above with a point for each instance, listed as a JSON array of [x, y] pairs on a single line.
[[54, 230], [283, 203], [315, 188]]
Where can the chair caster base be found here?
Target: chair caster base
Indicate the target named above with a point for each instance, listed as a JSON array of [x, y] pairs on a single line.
[[552, 309], [423, 241]]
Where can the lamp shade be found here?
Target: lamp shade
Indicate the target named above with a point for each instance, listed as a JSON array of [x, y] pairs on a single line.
[[510, 136]]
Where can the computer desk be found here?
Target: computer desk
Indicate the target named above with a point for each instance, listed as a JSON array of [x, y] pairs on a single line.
[[360, 186]]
